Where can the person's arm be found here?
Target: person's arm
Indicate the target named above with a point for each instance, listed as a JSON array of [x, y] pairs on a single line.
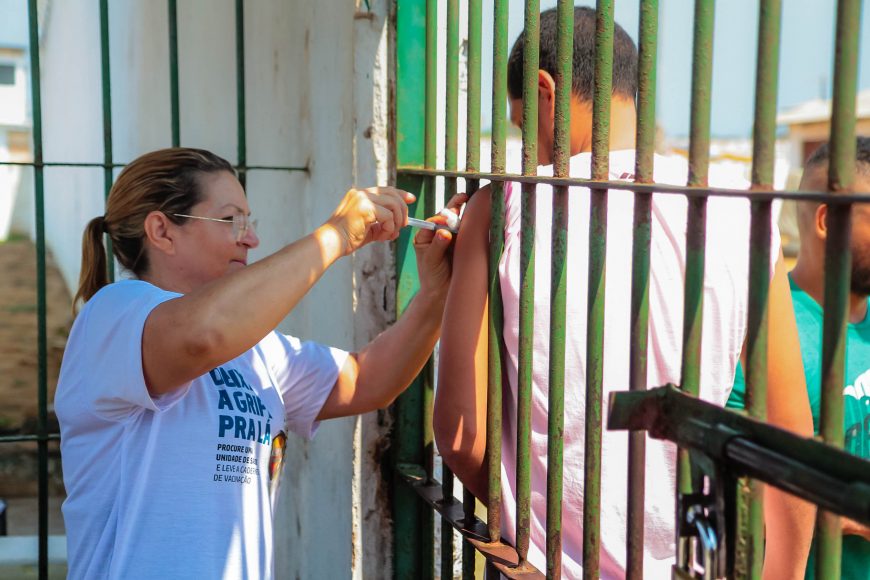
[[373, 377], [789, 521], [853, 528], [460, 400], [188, 336]]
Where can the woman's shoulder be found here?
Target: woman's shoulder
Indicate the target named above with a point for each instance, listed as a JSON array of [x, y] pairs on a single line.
[[124, 295]]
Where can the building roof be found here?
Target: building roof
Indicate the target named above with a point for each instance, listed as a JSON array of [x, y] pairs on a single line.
[[820, 110]]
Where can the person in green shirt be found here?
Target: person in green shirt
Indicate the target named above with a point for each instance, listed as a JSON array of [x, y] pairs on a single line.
[[807, 282]]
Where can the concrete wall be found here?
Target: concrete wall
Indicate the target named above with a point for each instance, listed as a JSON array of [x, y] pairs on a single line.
[[317, 90]]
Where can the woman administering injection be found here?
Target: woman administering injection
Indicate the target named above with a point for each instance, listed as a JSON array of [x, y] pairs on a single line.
[[175, 390]]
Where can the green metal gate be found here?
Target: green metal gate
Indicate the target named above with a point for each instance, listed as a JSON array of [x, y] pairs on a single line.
[[417, 494], [44, 436]]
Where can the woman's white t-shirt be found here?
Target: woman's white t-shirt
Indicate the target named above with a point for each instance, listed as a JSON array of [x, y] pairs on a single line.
[[178, 486]]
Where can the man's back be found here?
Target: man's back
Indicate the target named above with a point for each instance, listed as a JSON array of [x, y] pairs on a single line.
[[725, 313]]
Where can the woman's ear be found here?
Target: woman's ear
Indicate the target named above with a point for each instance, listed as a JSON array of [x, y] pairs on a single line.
[[159, 232]]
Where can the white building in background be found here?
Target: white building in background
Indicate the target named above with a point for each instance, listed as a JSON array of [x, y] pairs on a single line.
[[317, 85], [809, 125], [14, 116]]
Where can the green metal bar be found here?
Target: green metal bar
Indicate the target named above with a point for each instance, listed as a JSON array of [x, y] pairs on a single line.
[[838, 259], [496, 246], [558, 288], [687, 191], [696, 235], [173, 73], [450, 146], [749, 547], [446, 529], [472, 145], [413, 520], [106, 75], [472, 163], [595, 307], [468, 558], [451, 126], [531, 42], [241, 114], [646, 103], [427, 546], [22, 438], [42, 347], [841, 174], [430, 156]]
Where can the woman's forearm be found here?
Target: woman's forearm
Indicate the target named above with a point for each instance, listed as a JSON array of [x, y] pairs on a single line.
[[389, 363], [372, 378]]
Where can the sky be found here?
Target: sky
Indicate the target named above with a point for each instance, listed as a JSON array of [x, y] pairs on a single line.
[[806, 57], [13, 23]]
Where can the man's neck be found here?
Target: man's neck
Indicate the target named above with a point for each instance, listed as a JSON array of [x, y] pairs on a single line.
[[623, 125], [811, 279]]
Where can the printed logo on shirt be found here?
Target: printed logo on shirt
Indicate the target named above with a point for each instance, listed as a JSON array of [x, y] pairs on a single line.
[[242, 416], [857, 436]]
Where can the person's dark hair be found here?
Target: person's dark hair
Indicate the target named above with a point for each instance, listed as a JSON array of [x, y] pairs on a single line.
[[166, 180], [583, 77], [822, 155]]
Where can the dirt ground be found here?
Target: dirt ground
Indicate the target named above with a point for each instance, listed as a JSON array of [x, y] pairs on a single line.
[[19, 362]]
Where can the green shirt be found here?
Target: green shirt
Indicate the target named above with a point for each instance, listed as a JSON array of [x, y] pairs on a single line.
[[856, 411]]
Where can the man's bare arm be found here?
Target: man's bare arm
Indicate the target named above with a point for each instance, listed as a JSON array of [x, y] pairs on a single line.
[[789, 521], [460, 400]]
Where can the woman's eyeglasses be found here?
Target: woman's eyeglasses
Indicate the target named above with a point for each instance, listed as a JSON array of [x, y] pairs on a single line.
[[241, 223]]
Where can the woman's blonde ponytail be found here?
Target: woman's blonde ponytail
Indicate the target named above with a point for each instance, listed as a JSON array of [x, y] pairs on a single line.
[[94, 261]]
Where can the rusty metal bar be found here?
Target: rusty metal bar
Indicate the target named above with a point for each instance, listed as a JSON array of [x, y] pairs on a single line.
[[749, 547], [496, 246], [472, 163], [696, 234], [500, 556], [597, 261], [430, 156], [531, 42], [451, 143], [646, 129], [687, 191], [559, 287], [841, 173]]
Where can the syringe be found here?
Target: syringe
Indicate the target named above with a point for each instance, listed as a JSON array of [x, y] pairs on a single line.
[[429, 225]]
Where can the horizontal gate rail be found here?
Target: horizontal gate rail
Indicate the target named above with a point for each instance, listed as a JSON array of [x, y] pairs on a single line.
[[813, 470], [688, 191]]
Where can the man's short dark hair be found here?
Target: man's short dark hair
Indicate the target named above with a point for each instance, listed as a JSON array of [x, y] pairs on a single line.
[[583, 81], [821, 156]]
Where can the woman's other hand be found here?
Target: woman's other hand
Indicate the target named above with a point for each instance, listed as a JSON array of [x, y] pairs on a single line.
[[434, 253], [369, 215]]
